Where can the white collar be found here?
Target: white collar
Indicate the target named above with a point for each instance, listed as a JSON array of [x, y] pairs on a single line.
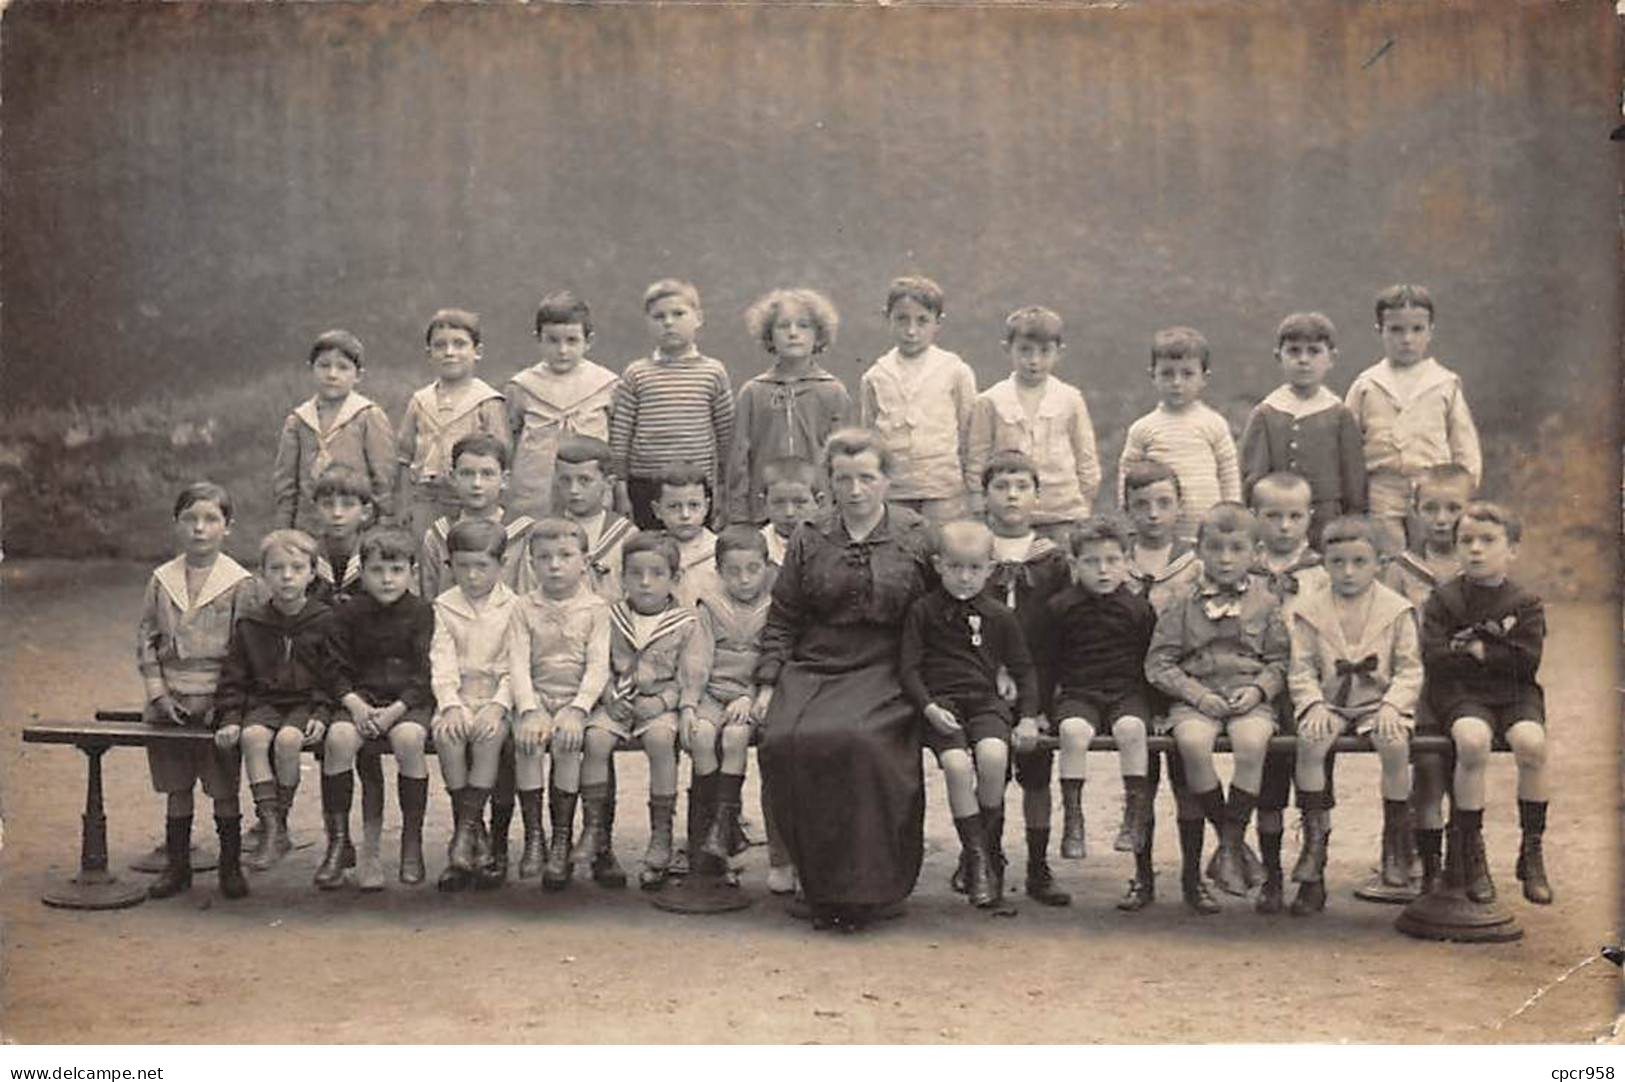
[[1429, 373], [1286, 400], [224, 573], [353, 404], [575, 386], [1006, 396], [458, 602], [472, 393], [1315, 607]]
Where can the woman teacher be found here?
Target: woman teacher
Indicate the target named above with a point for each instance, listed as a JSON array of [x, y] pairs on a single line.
[[840, 746]]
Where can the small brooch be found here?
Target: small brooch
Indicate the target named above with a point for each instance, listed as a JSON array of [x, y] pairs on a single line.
[[975, 622]]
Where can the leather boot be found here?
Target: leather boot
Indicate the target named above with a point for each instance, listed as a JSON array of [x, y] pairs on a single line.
[[993, 828], [703, 796], [1429, 845], [1316, 827], [594, 810], [274, 841], [461, 853], [1531, 853], [414, 798], [369, 866], [978, 880], [606, 870], [724, 824], [562, 810], [1142, 889], [534, 857], [1475, 869], [1074, 845], [1226, 869], [454, 878], [177, 873], [330, 874], [1191, 834], [1124, 842], [280, 844], [1136, 814], [657, 857], [230, 873], [1040, 884]]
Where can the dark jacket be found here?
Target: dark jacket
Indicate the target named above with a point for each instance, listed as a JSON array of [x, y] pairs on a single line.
[[381, 652], [1510, 622], [276, 660]]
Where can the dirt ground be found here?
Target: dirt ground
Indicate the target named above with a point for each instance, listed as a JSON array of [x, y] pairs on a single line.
[[291, 965]]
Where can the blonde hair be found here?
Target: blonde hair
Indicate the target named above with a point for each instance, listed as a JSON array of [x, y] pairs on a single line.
[[291, 541], [760, 316]]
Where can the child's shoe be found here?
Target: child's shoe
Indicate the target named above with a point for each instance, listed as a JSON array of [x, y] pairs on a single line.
[[977, 864], [1531, 869], [607, 871], [330, 873], [279, 841], [534, 857], [1073, 845], [594, 821], [274, 836], [657, 857], [1197, 898], [1141, 892], [1271, 896], [369, 869], [993, 826], [560, 866], [1475, 868], [414, 799], [493, 870], [724, 811], [177, 873], [1311, 898], [781, 879], [460, 854], [230, 873], [1041, 886], [1138, 810], [1317, 830]]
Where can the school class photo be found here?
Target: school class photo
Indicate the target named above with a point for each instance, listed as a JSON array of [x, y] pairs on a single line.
[[466, 567]]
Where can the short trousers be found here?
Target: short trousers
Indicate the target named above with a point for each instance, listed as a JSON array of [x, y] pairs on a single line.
[[632, 730], [270, 717], [1529, 705], [1096, 708], [712, 709], [1183, 712], [980, 719], [422, 714]]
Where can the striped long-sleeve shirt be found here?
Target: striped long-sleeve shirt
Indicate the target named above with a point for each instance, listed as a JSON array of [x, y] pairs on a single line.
[[1196, 444], [670, 410]]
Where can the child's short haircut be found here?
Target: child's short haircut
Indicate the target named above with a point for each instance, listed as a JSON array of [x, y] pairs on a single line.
[[477, 535], [204, 491], [760, 316], [289, 541], [856, 441], [1281, 483], [557, 529], [1501, 515], [1100, 528], [342, 341], [1034, 322], [653, 541], [480, 443], [341, 480], [457, 319], [1351, 528], [564, 307], [1008, 461], [680, 475], [387, 543], [793, 471], [1227, 516], [741, 539], [917, 288], [1404, 296], [671, 287], [1146, 473], [1178, 344], [1445, 473], [577, 450], [967, 530], [1306, 327]]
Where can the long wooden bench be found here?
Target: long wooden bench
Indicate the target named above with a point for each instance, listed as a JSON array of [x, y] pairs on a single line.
[[94, 887]]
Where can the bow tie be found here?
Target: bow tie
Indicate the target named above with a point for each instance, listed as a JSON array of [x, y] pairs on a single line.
[[1219, 602], [1347, 671], [1281, 582], [1008, 576]]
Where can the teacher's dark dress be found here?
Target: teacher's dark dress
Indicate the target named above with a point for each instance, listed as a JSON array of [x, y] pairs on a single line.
[[840, 750]]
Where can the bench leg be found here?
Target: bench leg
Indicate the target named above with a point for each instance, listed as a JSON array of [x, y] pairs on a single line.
[[94, 887]]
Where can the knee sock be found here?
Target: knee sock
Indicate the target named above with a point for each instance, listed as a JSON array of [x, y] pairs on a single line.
[[1191, 833], [1269, 845], [730, 788], [1532, 816], [1037, 846], [969, 828], [338, 793], [1429, 842], [1212, 805], [1072, 792]]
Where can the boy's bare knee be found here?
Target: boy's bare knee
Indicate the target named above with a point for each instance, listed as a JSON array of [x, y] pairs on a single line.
[[407, 740], [1075, 733], [992, 755], [735, 738], [1128, 728], [1472, 737], [288, 737]]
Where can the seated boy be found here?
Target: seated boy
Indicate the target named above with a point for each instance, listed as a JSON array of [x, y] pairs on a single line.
[[659, 655], [1355, 663], [583, 483], [792, 492], [344, 508], [718, 737], [1096, 639], [471, 660], [681, 506], [1028, 569], [380, 656], [1482, 636], [563, 630], [273, 699], [954, 643], [190, 607], [1284, 505], [1220, 654]]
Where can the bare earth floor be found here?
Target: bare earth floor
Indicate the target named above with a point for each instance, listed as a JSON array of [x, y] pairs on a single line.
[[289, 964]]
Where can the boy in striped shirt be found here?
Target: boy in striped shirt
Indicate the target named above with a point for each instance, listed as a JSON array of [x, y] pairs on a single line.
[[1183, 432], [672, 407]]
